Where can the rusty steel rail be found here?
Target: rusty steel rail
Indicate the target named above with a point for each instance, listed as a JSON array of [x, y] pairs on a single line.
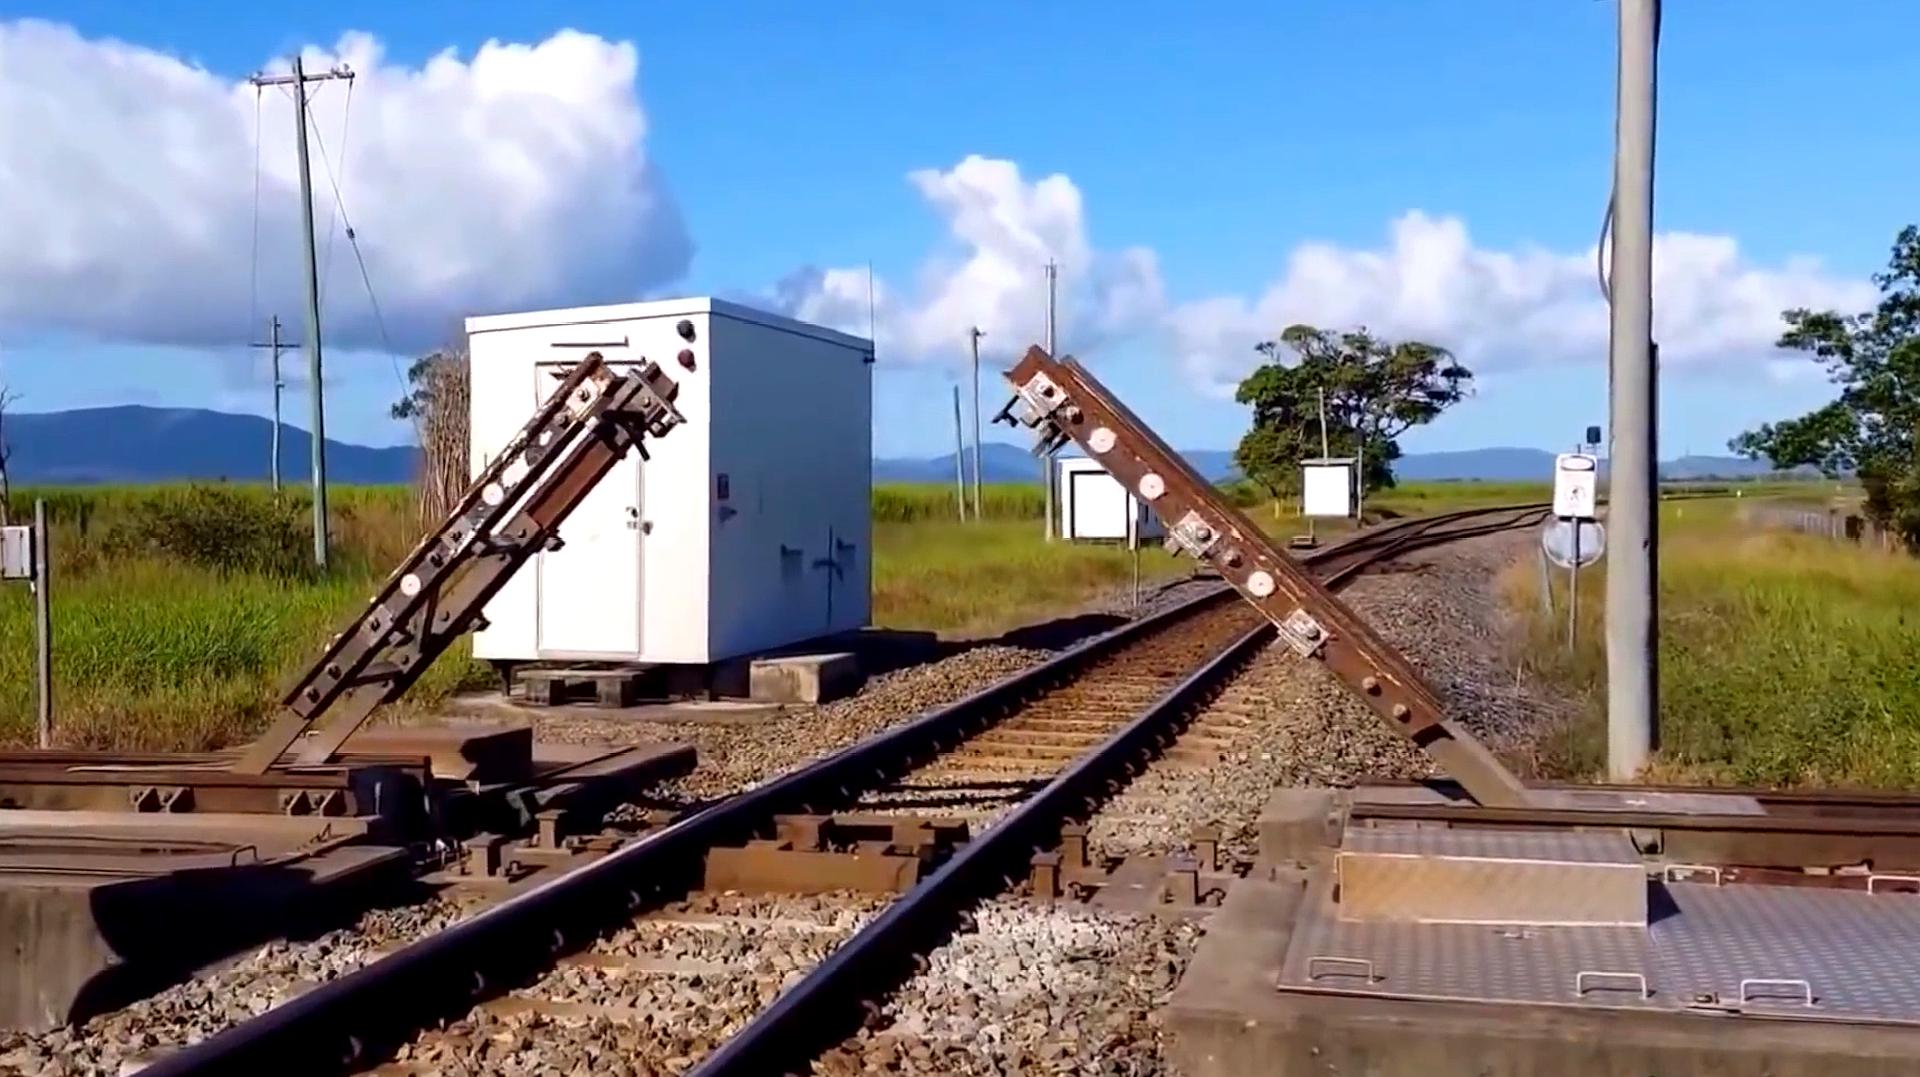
[[342, 1023], [831, 1000], [1383, 542], [348, 1022]]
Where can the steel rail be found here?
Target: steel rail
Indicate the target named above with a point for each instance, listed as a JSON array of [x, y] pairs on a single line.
[[831, 1000], [338, 1024], [1386, 541], [345, 1022]]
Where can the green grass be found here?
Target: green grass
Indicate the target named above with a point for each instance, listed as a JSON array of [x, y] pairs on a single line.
[[175, 633], [913, 502], [1784, 659], [180, 612], [979, 579]]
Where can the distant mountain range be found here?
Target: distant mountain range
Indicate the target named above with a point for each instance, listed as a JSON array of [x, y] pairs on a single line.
[[1522, 465], [134, 443]]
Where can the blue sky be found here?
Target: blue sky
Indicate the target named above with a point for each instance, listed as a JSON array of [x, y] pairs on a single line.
[[1219, 143]]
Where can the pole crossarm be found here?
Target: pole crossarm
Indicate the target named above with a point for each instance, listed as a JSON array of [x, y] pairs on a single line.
[[337, 71]]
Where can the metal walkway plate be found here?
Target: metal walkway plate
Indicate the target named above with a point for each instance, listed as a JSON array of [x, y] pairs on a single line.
[[1773, 951]]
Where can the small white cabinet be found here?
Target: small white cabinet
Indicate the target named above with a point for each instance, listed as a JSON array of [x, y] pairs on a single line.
[[748, 528], [1094, 507]]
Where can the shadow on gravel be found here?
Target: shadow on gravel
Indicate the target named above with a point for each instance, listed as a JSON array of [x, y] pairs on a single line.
[[884, 650], [1060, 633]]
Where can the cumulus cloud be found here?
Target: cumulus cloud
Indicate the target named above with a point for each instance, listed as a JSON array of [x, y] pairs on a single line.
[[519, 177], [1001, 230], [1497, 309], [513, 178], [1500, 309]]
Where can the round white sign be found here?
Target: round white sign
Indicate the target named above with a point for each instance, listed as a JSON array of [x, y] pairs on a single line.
[[1557, 538]]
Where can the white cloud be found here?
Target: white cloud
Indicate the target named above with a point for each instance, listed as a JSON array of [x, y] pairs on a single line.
[[1494, 308], [514, 178], [519, 177], [1001, 230]]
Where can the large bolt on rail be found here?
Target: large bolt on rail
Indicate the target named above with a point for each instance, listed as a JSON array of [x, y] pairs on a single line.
[[1062, 402], [512, 511]]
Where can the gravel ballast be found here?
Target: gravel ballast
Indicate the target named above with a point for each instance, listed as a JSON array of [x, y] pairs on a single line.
[[1073, 990], [732, 757], [1026, 989]]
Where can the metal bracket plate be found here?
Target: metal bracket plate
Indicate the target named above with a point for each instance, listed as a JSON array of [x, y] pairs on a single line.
[[1302, 633], [1194, 535]]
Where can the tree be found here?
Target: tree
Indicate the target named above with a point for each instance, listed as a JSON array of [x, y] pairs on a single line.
[[7, 398], [1873, 429], [1375, 389], [437, 403]]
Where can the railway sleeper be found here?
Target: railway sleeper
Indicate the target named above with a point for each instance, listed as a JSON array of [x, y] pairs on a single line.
[[818, 854], [1183, 882]]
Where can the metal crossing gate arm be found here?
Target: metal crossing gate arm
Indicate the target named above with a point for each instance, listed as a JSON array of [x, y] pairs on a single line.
[[1063, 402], [508, 514]]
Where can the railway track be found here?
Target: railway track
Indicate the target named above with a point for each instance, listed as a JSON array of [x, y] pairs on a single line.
[[670, 978]]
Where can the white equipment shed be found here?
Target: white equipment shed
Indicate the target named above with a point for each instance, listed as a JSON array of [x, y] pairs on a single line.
[[749, 529], [1095, 507]]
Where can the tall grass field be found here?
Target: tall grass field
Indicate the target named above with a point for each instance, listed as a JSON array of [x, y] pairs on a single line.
[[1785, 659], [180, 610]]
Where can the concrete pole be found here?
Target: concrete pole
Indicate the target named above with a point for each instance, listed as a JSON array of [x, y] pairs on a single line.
[[319, 424], [959, 460], [975, 334], [1632, 603], [1046, 459], [43, 620], [277, 346], [278, 385]]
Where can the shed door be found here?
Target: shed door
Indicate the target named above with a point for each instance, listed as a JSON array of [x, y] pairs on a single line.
[[590, 588]]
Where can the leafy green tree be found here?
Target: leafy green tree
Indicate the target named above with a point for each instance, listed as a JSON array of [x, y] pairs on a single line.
[[1375, 389], [1873, 429]]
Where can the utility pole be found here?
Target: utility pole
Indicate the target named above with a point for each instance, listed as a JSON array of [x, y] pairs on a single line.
[[1632, 604], [975, 334], [274, 342], [1046, 459], [298, 80], [43, 620], [959, 460], [1326, 454]]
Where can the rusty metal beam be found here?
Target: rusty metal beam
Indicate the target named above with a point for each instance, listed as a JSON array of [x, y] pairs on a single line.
[[509, 513], [1062, 401], [391, 789]]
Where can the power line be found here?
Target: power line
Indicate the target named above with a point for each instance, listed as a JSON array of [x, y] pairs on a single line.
[[253, 258], [366, 279], [333, 215]]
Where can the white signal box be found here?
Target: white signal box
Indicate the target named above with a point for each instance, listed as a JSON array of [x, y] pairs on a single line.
[[1575, 479], [1326, 488], [17, 555]]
